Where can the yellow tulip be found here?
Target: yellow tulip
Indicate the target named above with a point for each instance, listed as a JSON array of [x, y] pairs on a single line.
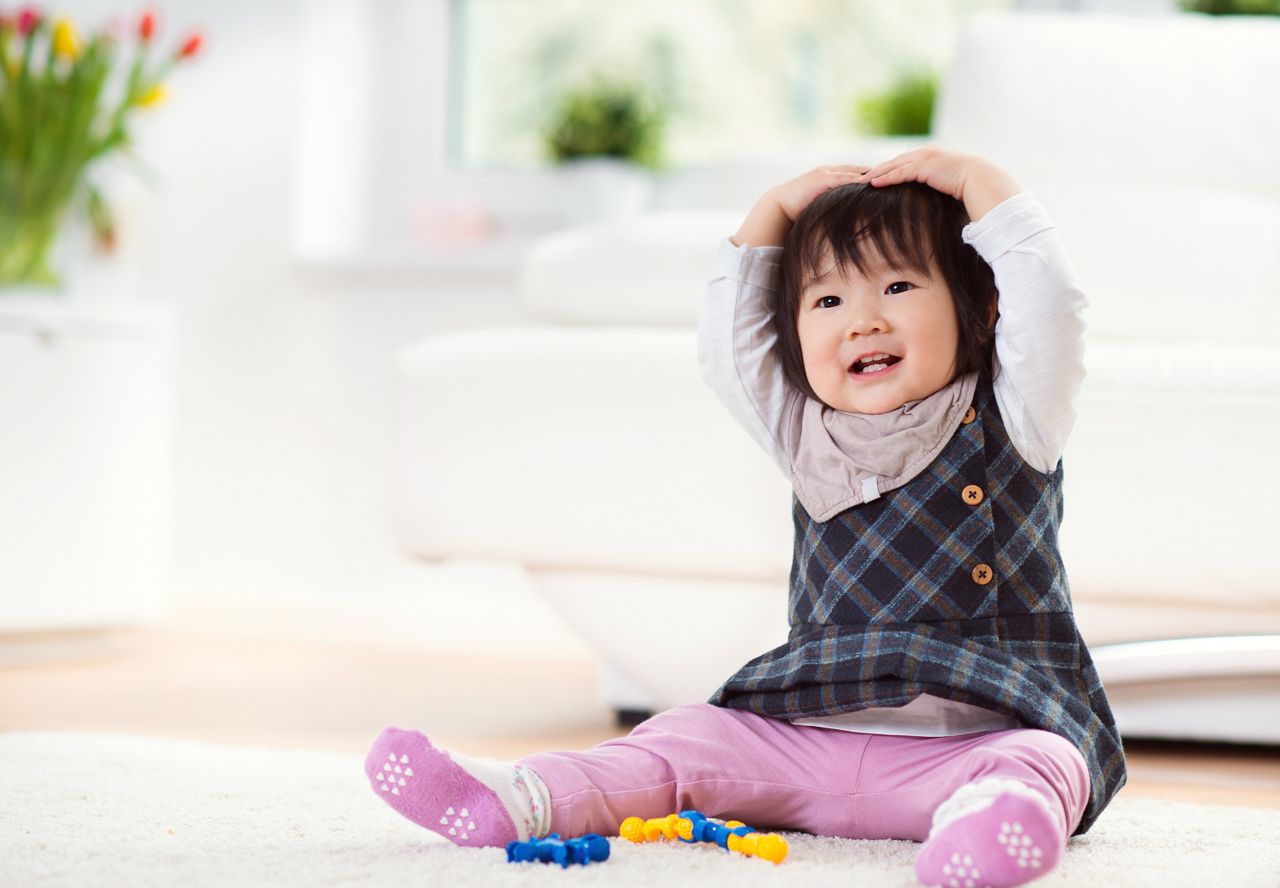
[[65, 42], [154, 96]]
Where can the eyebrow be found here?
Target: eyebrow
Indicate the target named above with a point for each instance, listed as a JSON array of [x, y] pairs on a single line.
[[876, 268]]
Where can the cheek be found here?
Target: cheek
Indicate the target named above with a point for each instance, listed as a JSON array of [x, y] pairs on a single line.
[[819, 357], [814, 366], [811, 345], [943, 327], [949, 342]]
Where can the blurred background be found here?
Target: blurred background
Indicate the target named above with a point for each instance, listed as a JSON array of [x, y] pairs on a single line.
[[228, 504], [329, 182]]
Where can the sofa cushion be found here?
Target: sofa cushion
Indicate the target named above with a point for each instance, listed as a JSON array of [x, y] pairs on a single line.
[[1170, 261], [1151, 141], [1170, 98]]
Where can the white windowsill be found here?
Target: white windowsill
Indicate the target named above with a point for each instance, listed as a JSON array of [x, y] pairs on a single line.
[[495, 262]]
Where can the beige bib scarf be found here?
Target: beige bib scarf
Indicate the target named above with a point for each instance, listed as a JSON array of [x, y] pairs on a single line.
[[842, 459]]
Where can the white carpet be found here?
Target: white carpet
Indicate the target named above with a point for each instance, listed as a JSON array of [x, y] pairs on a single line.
[[115, 810]]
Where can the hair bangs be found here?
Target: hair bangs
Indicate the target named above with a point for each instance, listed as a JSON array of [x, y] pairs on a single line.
[[854, 227]]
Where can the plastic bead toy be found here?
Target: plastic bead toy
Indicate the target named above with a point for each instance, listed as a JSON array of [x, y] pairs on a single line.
[[554, 849], [693, 826]]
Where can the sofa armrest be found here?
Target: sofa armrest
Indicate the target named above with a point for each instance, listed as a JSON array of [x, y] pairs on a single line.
[[600, 448]]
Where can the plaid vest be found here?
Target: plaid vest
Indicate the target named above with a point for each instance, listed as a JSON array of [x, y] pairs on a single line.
[[951, 584]]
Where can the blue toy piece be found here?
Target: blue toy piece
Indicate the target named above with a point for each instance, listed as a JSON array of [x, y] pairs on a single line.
[[554, 849], [705, 830]]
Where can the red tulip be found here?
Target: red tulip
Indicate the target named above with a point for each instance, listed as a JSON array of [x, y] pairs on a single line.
[[28, 20], [147, 26], [191, 47]]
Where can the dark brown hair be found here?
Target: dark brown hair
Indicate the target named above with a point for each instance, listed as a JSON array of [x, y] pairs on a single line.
[[907, 225]]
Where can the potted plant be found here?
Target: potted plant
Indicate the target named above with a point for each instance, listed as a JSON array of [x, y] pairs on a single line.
[[57, 123], [1231, 7], [898, 119], [606, 136], [904, 109]]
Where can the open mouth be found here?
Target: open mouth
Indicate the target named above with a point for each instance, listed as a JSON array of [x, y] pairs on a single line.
[[874, 366]]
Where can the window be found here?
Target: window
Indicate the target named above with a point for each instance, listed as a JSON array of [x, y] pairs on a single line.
[[406, 106], [739, 77]]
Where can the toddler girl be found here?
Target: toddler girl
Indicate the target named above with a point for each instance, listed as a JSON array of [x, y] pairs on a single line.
[[906, 342]]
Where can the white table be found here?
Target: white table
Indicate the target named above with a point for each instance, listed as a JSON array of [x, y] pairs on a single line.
[[85, 432]]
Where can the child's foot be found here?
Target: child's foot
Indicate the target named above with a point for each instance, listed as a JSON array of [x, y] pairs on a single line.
[[478, 805], [1010, 842]]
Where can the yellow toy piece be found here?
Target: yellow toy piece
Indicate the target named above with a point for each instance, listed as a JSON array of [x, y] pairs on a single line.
[[766, 846], [636, 830]]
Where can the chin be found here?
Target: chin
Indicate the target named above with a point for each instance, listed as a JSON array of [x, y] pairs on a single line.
[[876, 410], [872, 404], [866, 408]]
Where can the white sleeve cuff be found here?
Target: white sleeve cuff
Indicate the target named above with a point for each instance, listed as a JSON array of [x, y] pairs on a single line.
[[750, 265], [1007, 225]]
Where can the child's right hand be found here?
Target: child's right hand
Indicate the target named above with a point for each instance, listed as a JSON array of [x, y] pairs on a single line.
[[796, 194], [770, 219]]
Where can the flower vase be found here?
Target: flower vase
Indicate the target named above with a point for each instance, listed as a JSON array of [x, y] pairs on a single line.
[[29, 250], [603, 189]]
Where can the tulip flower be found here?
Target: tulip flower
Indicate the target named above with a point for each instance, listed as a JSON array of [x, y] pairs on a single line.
[[65, 42], [147, 26], [191, 47], [28, 20], [154, 96]]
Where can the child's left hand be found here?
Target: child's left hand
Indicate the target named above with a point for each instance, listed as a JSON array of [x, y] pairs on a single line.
[[940, 169], [976, 181]]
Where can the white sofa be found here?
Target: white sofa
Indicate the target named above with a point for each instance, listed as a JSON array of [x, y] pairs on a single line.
[[589, 449]]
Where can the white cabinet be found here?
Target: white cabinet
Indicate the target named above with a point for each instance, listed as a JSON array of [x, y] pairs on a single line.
[[85, 465]]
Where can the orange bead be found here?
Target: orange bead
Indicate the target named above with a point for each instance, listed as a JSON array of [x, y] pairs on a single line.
[[632, 829]]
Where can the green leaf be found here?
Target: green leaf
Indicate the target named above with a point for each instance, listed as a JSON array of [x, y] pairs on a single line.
[[905, 109], [610, 118]]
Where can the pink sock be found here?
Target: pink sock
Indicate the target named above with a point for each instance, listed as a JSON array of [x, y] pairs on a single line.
[[424, 784], [1009, 841]]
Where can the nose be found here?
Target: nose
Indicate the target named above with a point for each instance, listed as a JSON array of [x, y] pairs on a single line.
[[865, 317]]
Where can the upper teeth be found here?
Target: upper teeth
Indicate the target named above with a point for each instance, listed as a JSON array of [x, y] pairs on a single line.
[[879, 357]]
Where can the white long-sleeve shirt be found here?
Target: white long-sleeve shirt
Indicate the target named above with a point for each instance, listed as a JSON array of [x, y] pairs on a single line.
[[1039, 353]]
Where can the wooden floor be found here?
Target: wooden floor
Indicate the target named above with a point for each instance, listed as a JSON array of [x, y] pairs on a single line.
[[275, 691]]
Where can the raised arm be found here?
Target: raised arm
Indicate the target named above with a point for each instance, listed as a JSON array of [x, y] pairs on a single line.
[[735, 330], [1040, 333]]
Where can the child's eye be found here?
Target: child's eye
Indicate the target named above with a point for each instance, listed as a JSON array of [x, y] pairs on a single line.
[[825, 298], [904, 283]]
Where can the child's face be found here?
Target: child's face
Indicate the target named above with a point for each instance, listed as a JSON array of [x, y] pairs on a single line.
[[900, 313]]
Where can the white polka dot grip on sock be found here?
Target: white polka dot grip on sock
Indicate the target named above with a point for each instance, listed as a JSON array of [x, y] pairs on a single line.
[[997, 842], [470, 802]]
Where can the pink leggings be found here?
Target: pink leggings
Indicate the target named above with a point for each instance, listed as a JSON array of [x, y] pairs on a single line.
[[772, 774]]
